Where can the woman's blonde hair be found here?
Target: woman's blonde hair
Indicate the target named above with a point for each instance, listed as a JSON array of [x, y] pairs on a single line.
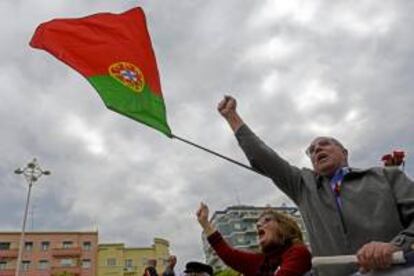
[[288, 228]]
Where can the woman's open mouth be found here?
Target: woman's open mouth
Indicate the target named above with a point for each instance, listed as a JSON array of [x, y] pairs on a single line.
[[260, 234]]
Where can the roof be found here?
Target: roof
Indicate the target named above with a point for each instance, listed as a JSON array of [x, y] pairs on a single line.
[[53, 232]]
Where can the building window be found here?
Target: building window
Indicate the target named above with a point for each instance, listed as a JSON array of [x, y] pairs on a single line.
[[44, 245], [4, 245], [87, 245], [67, 244], [128, 263], [25, 265], [237, 226], [67, 262], [3, 265], [86, 263], [240, 239], [43, 264], [28, 246], [111, 262]]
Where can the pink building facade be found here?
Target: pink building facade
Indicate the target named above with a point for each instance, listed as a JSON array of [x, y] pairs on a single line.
[[50, 253]]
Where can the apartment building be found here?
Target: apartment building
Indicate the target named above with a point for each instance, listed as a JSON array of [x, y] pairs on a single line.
[[237, 224], [115, 259], [50, 253]]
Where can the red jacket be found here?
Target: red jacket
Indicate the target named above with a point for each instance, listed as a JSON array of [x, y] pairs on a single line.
[[294, 260]]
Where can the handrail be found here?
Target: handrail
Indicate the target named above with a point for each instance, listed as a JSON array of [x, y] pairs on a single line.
[[397, 258]]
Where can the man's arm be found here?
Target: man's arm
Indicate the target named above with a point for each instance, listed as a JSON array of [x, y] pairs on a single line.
[[260, 156], [378, 255], [403, 190]]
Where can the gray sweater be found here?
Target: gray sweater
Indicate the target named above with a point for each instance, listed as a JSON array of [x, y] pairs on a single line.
[[377, 203]]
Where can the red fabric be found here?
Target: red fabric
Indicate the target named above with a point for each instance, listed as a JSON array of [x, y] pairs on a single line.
[[91, 44], [295, 260]]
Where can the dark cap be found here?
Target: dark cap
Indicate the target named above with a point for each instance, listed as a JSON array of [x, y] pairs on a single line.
[[198, 267]]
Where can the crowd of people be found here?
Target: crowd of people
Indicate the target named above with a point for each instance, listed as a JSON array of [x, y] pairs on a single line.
[[191, 269], [347, 211]]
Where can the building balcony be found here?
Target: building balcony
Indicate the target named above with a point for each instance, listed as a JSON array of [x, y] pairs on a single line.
[[244, 246], [7, 272], [66, 252], [131, 270], [254, 243], [9, 253], [233, 219], [131, 273], [250, 217], [74, 270], [250, 230]]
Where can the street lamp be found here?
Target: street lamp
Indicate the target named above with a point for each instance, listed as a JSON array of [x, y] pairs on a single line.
[[32, 173]]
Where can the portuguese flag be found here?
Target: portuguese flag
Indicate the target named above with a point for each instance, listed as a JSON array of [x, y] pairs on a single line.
[[114, 53]]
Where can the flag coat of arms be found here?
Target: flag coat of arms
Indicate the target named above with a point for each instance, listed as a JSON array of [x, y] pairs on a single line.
[[114, 53]]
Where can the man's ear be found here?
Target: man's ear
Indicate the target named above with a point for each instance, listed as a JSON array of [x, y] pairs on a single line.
[[345, 151]]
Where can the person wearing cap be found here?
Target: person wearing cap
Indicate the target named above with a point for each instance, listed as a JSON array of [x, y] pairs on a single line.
[[198, 269], [346, 210], [283, 252]]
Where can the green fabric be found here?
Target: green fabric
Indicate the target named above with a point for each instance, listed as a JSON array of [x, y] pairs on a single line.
[[144, 107]]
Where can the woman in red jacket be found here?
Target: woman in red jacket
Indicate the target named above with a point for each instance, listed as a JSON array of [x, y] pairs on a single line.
[[282, 250]]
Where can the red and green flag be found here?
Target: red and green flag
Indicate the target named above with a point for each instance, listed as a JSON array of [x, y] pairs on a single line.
[[114, 53]]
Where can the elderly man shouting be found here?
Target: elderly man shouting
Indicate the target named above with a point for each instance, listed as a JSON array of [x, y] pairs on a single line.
[[367, 212]]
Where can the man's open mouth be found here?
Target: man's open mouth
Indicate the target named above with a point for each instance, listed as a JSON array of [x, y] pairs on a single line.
[[322, 157]]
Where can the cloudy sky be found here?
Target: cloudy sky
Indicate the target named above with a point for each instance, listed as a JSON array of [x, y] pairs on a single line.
[[298, 68]]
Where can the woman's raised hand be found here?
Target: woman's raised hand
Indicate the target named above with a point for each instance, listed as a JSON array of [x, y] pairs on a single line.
[[202, 217]]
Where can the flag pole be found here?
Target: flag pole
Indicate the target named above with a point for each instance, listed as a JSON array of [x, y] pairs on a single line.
[[217, 154]]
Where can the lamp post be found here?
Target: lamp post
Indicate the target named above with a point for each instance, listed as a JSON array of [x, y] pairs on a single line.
[[32, 172]]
